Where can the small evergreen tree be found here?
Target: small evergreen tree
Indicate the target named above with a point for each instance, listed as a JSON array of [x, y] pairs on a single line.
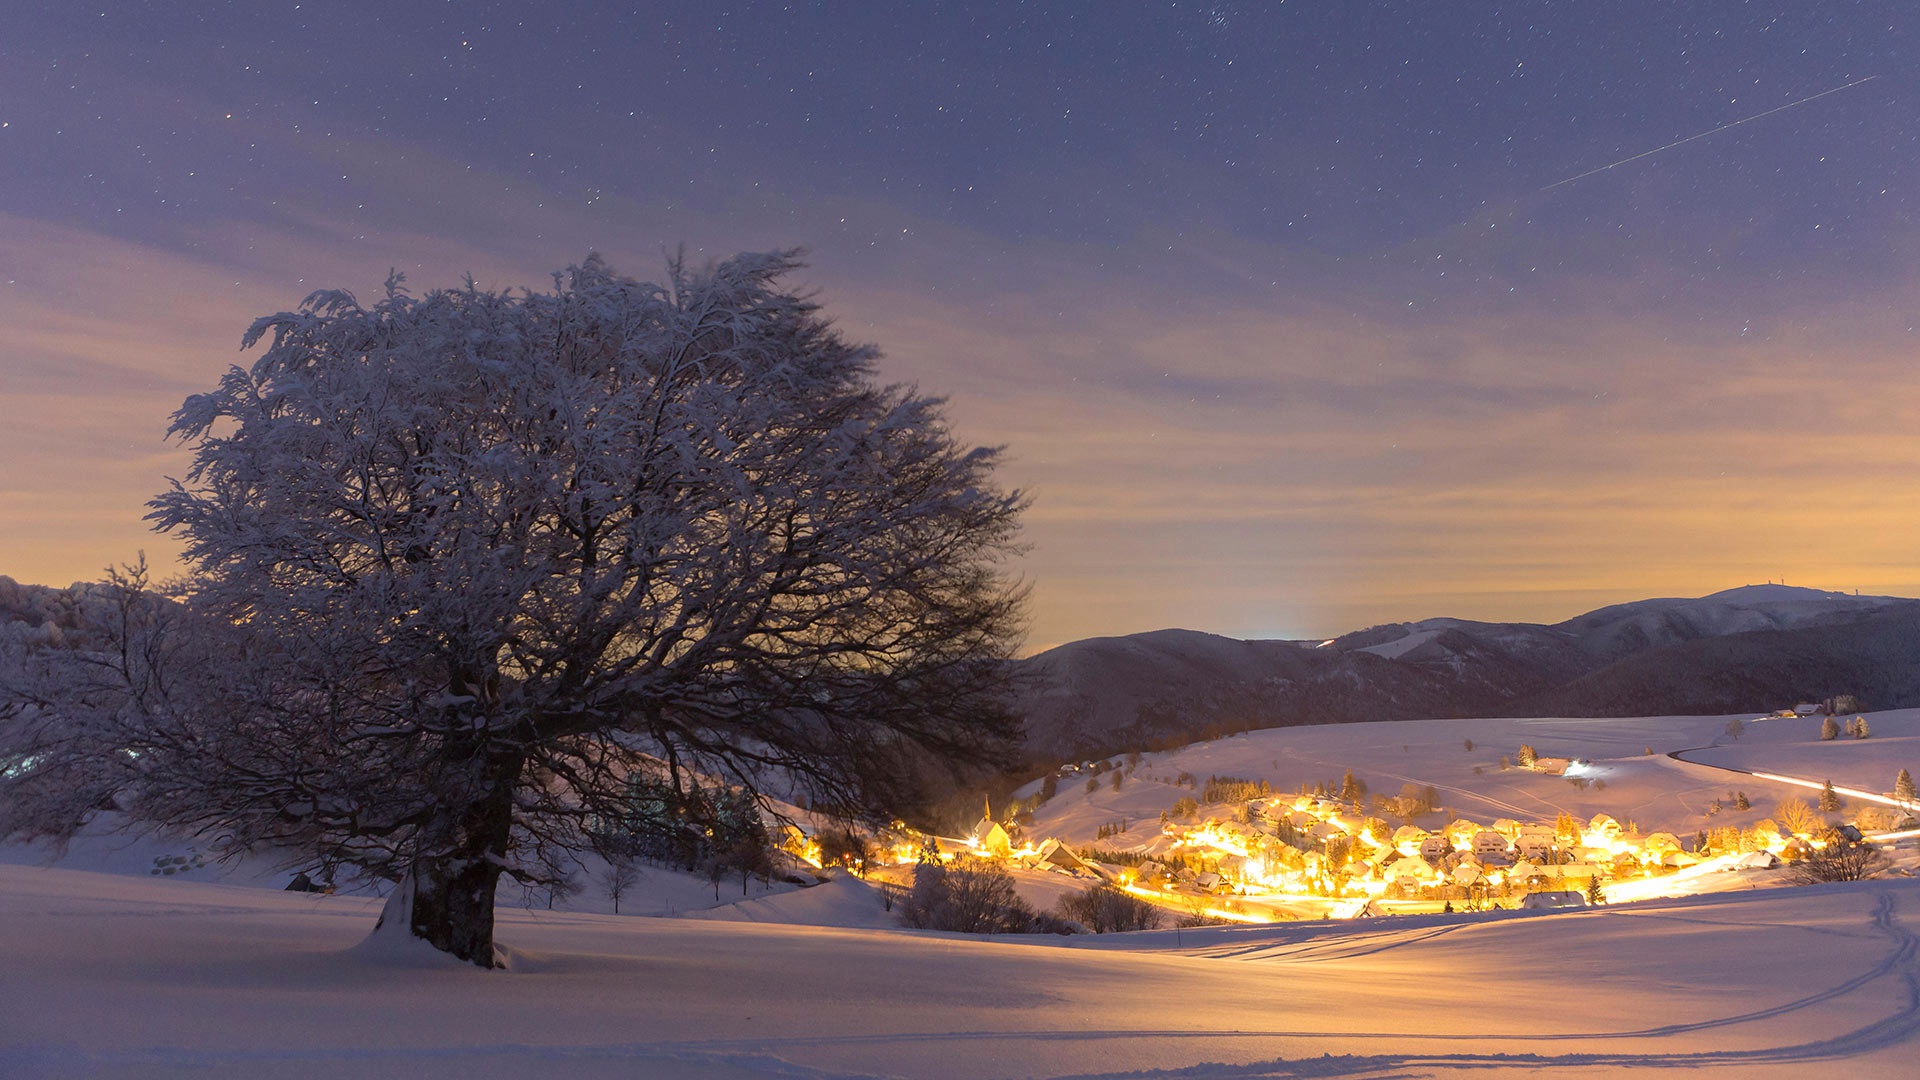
[[1565, 828], [1595, 895], [1740, 801], [1735, 728], [1860, 727], [1829, 730], [1903, 786], [1829, 799], [1527, 756]]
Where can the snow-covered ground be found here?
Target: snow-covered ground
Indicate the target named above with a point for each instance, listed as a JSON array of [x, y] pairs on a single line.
[[116, 976], [1623, 779], [137, 958], [1794, 747]]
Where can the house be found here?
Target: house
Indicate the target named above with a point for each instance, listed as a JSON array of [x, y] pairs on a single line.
[[1535, 846], [1529, 874], [1571, 872], [1407, 839], [1435, 848], [1488, 842], [1323, 832], [989, 837], [1056, 855], [1410, 870], [1552, 766], [1658, 844], [1548, 901], [1756, 860]]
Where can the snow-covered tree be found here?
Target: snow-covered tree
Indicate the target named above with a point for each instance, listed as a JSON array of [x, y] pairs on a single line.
[[1829, 798], [1903, 786], [1829, 730], [1796, 816], [464, 564]]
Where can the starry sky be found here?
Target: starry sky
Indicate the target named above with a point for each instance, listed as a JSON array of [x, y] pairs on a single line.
[[1293, 316]]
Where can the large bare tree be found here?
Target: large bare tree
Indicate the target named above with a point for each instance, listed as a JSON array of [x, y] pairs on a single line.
[[463, 563]]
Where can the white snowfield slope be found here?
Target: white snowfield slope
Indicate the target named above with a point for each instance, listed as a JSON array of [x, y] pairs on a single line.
[[110, 976]]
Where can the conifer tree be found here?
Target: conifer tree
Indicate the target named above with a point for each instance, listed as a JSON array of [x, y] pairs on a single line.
[[1829, 798], [1903, 786], [1829, 730]]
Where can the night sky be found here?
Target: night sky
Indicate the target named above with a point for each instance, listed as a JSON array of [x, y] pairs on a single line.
[[1292, 316]]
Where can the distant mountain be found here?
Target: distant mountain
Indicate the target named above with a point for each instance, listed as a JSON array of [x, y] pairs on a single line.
[[1747, 649]]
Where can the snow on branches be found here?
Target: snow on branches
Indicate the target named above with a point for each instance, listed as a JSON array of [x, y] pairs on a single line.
[[462, 562]]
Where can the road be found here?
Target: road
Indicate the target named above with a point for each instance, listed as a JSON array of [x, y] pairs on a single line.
[[1813, 785]]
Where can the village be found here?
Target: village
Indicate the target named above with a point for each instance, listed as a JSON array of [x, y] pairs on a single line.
[[1236, 851]]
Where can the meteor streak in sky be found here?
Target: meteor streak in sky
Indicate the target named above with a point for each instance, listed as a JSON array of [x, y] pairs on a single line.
[[1704, 134]]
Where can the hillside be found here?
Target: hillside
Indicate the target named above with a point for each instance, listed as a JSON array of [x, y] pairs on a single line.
[[1749, 649]]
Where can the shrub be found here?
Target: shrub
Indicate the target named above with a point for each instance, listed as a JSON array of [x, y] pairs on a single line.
[[968, 895], [1104, 909], [1840, 860]]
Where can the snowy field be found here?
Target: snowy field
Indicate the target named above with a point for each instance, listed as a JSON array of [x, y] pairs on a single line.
[[114, 976], [137, 958]]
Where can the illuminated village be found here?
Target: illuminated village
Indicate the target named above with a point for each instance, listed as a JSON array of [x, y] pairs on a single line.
[[1243, 853]]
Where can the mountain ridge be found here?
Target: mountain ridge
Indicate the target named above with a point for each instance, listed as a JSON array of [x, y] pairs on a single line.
[[1751, 648]]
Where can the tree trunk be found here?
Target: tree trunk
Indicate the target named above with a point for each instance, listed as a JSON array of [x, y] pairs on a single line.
[[453, 888]]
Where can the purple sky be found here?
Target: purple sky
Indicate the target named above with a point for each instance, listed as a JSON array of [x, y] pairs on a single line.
[[1282, 309]]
